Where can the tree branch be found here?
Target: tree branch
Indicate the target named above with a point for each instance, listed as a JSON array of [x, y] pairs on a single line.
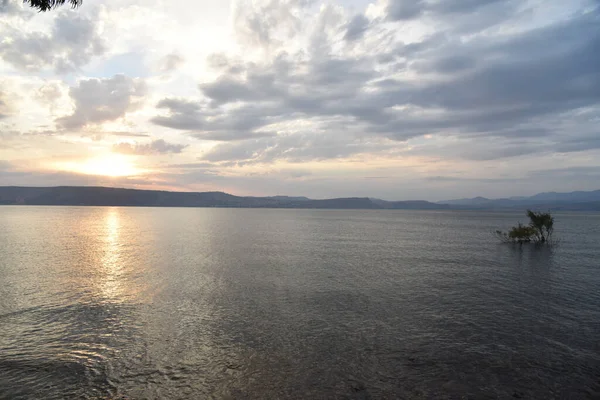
[[45, 5]]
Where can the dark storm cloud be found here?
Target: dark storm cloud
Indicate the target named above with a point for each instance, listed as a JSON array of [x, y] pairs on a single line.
[[72, 43], [101, 100], [153, 148]]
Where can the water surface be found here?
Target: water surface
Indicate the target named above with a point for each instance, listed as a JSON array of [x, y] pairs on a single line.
[[264, 304]]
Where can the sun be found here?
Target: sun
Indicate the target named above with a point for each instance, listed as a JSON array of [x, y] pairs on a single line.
[[111, 165]]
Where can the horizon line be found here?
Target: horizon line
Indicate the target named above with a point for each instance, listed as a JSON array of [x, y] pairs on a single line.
[[290, 196]]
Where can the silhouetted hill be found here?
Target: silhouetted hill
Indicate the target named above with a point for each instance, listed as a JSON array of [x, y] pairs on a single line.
[[408, 205], [473, 201], [289, 198], [105, 196]]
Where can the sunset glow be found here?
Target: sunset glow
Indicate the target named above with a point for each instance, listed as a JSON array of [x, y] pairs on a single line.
[[109, 165], [393, 99]]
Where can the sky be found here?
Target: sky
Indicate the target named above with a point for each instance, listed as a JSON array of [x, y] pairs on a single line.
[[396, 99]]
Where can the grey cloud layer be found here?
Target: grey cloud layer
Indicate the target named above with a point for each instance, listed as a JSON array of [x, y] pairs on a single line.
[[101, 100], [461, 93], [502, 85], [73, 41], [10, 7], [357, 27], [5, 111], [410, 9], [296, 148], [207, 123], [171, 62], [153, 148]]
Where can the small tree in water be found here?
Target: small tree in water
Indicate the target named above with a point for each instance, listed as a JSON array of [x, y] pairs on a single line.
[[539, 230], [543, 224]]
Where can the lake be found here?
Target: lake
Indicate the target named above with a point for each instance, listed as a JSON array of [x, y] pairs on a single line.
[[172, 303]]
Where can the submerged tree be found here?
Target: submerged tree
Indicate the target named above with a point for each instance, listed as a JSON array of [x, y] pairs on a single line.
[[45, 5], [543, 224], [539, 230]]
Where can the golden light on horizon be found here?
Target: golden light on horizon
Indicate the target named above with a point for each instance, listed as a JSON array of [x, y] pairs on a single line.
[[110, 165]]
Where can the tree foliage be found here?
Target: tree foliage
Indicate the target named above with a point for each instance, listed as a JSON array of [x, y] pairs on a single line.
[[543, 224], [539, 230], [45, 5]]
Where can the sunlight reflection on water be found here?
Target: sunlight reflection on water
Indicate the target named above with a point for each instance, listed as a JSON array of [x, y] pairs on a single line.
[[111, 282]]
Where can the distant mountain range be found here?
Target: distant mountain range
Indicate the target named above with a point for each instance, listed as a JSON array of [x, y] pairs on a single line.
[[105, 196], [583, 201]]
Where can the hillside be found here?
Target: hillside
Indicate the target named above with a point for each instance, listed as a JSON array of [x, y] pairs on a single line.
[[104, 196]]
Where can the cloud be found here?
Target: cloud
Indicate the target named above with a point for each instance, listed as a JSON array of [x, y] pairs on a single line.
[[356, 27], [5, 110], [454, 15], [490, 86], [204, 123], [10, 7], [102, 100], [122, 134], [49, 93], [155, 147], [53, 95], [171, 62], [17, 175], [268, 24], [249, 106], [467, 88], [573, 173], [72, 42], [5, 166], [463, 6], [398, 10], [196, 165], [583, 143], [183, 114], [294, 148]]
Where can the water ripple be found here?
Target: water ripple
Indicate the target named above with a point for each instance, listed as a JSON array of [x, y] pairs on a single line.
[[115, 303]]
